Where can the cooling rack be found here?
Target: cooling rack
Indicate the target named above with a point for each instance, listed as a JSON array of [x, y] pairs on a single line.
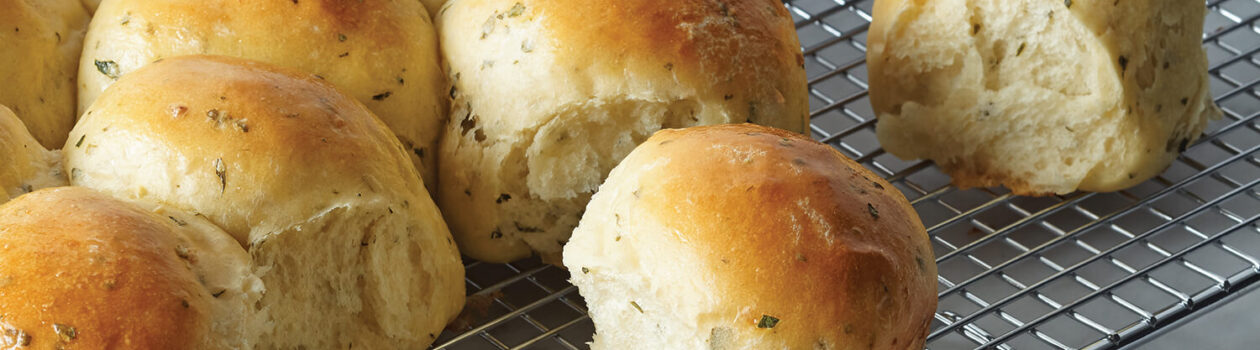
[[1084, 270]]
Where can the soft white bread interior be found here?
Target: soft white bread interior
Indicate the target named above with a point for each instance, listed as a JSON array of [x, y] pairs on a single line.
[[550, 95], [748, 237], [25, 165], [1041, 96], [342, 233], [39, 59], [83, 270], [381, 52]]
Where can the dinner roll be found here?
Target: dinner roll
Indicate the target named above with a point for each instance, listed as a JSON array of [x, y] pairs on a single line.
[[25, 165], [382, 52], [342, 233], [550, 95], [85, 271], [39, 55], [1041, 96], [748, 237]]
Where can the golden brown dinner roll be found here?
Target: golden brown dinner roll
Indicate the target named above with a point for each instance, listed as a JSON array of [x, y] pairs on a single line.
[[382, 52], [342, 233], [1041, 96], [39, 55], [25, 165], [81, 270], [748, 237], [550, 95]]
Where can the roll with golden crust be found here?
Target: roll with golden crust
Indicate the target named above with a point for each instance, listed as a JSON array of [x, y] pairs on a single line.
[[40, 43], [381, 52], [747, 237], [81, 270], [342, 233], [550, 95]]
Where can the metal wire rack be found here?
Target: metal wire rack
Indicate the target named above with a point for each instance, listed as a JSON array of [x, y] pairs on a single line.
[[1084, 270]]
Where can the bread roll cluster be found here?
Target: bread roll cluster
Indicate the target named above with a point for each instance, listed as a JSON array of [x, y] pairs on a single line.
[[252, 174], [381, 52], [340, 229], [550, 95]]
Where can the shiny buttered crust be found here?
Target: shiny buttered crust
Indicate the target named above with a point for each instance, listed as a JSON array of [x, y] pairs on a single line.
[[381, 52], [39, 57], [747, 237], [550, 95], [25, 165], [341, 230], [1041, 96], [82, 270]]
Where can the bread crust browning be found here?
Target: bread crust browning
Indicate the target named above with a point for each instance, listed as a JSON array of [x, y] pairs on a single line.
[[83, 270], [550, 95], [770, 224]]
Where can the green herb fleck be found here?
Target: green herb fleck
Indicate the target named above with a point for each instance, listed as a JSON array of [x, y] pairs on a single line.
[[503, 198], [341, 37], [65, 332], [382, 96], [516, 10], [219, 293], [80, 143], [178, 221], [182, 252], [767, 321], [527, 46], [1067, 3], [108, 68], [586, 270], [496, 234], [636, 306], [23, 339], [871, 208], [220, 170]]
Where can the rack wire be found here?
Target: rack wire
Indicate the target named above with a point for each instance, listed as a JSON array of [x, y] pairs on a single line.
[[1084, 270]]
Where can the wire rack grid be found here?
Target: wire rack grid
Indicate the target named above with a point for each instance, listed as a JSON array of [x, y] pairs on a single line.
[[1084, 270]]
